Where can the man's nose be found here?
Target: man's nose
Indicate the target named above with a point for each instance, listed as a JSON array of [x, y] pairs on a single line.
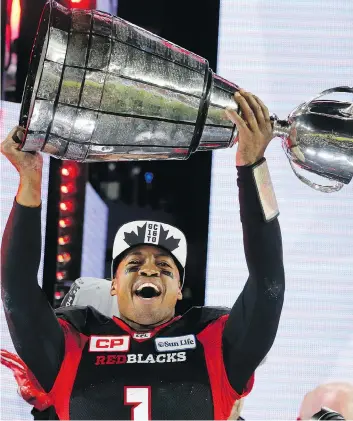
[[149, 270]]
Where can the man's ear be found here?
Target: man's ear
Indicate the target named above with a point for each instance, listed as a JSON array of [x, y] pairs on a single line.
[[180, 294], [113, 287]]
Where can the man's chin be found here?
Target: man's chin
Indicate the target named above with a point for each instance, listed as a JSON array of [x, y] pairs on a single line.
[[147, 311]]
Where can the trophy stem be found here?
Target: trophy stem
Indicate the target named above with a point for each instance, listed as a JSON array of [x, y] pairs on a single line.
[[281, 128]]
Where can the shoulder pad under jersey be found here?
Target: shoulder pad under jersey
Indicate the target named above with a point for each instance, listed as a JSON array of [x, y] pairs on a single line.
[[81, 318], [200, 317]]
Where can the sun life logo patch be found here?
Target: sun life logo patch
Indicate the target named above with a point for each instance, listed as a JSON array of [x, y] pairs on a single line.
[[177, 343]]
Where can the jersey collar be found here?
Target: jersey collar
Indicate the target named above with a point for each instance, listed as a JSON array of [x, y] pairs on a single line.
[[152, 332]]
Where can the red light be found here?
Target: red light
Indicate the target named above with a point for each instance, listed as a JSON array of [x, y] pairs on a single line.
[[61, 275], [83, 4], [63, 240], [68, 188], [15, 18], [67, 206], [59, 294], [69, 170], [63, 257], [65, 222]]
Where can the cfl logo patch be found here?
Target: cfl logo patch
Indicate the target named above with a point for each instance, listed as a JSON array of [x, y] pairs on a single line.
[[152, 233]]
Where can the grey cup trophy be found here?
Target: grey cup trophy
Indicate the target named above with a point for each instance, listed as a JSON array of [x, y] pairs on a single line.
[[102, 89]]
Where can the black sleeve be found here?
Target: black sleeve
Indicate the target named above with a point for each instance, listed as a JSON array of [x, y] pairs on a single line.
[[34, 328], [253, 321]]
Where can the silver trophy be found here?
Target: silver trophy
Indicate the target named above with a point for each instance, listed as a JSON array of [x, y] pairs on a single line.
[[102, 89]]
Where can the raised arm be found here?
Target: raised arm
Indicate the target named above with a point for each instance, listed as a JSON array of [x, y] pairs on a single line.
[[35, 331], [252, 325]]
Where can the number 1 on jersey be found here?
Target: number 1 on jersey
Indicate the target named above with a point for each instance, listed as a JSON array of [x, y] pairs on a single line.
[[140, 398]]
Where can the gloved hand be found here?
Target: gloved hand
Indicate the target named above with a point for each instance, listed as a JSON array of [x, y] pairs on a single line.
[[28, 387]]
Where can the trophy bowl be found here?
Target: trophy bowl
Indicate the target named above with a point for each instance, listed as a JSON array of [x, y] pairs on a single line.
[[102, 89]]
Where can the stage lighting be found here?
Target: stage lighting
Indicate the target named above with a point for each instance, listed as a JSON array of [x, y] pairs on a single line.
[[59, 295], [70, 170], [149, 177], [65, 222], [67, 206], [64, 239], [61, 275], [63, 257], [68, 188]]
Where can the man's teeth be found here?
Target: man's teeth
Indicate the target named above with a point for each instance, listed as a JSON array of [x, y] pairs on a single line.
[[145, 285]]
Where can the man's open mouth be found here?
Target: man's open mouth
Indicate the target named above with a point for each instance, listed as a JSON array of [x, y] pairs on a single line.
[[147, 290]]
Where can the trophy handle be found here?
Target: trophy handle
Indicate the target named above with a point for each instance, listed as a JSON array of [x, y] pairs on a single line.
[[346, 89], [325, 189]]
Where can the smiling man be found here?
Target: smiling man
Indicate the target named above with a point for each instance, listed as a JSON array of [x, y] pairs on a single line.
[[148, 271], [148, 363]]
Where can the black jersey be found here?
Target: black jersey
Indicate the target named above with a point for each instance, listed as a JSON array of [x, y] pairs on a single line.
[[175, 371]]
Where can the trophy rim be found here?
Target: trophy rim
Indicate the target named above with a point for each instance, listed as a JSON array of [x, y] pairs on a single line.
[[37, 58]]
